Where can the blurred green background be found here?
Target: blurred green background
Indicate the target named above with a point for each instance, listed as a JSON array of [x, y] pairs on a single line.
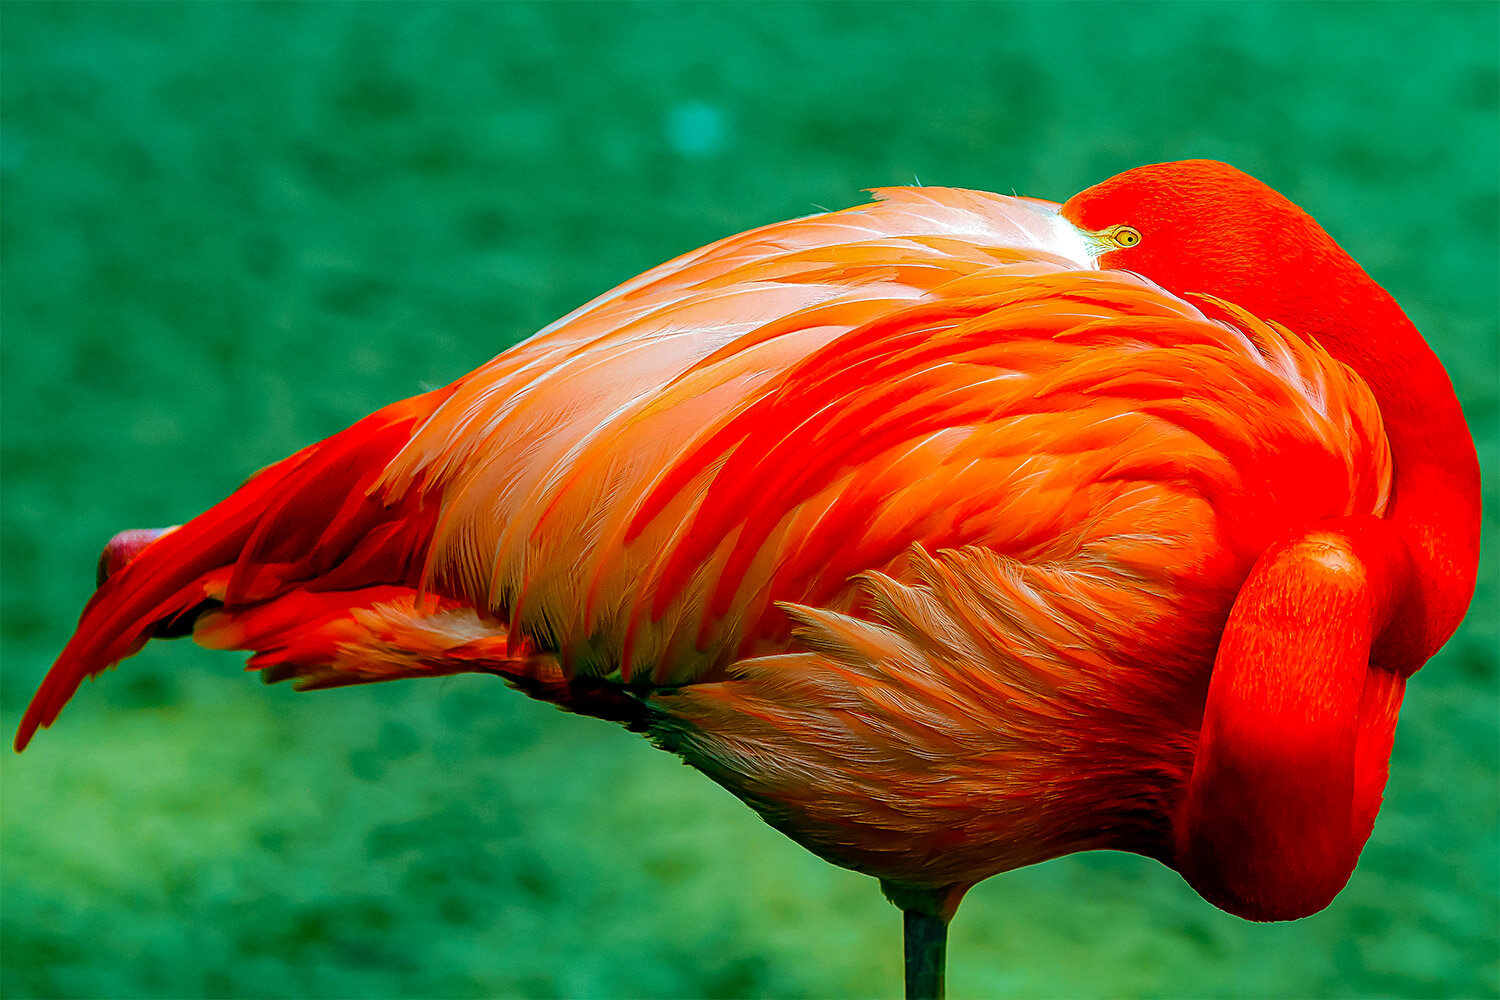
[[230, 229]]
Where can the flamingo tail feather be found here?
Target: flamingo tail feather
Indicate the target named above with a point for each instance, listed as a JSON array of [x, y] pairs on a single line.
[[305, 540]]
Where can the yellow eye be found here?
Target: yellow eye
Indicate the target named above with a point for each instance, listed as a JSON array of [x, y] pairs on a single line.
[[1124, 236]]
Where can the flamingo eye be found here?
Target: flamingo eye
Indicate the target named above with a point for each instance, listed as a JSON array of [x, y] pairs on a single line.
[[1123, 236]]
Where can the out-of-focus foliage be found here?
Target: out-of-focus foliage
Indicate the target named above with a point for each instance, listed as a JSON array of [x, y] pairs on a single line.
[[230, 229]]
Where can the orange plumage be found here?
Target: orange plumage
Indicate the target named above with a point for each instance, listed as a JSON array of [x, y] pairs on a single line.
[[910, 524]]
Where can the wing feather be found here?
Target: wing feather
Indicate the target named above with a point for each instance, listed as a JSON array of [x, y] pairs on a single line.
[[764, 419], [644, 486]]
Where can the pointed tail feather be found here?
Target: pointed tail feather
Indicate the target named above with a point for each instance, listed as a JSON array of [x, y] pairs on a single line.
[[308, 517]]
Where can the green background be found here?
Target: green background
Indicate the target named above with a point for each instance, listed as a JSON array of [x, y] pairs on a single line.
[[231, 229]]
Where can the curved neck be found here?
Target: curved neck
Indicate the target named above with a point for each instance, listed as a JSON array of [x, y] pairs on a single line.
[[1302, 702]]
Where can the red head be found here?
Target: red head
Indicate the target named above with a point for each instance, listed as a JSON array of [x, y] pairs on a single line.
[[1204, 226]]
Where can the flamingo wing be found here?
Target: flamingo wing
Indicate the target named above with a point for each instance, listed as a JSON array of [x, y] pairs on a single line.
[[636, 495]]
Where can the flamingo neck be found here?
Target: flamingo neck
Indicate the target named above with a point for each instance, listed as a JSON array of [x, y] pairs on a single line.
[[1301, 707]]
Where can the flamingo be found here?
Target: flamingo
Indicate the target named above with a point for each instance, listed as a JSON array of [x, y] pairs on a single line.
[[951, 533]]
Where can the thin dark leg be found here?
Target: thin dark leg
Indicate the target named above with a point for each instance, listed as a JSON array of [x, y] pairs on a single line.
[[926, 955]]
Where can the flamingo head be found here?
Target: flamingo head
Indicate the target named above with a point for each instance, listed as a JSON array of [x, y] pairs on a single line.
[[1199, 226]]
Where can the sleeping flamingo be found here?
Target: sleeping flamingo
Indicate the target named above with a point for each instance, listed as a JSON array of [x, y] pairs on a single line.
[[951, 533]]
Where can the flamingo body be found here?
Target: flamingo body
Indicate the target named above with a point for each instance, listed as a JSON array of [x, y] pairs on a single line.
[[918, 526]]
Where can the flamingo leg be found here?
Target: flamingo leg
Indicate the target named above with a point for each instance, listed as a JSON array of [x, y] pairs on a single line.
[[926, 936], [926, 912]]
